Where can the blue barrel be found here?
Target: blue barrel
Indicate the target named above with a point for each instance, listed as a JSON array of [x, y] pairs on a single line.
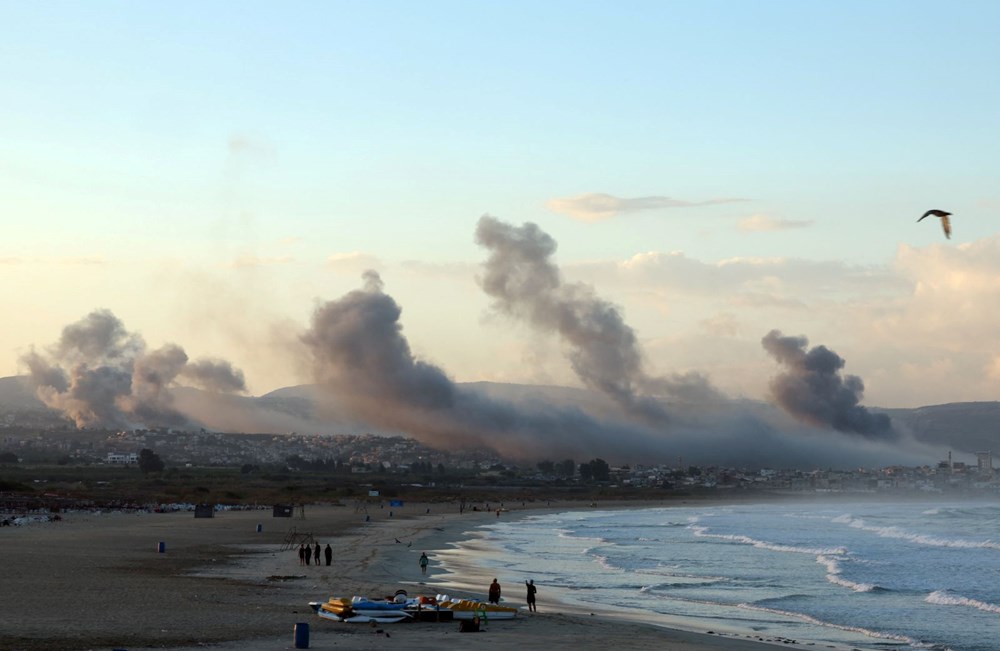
[[301, 636], [260, 528], [161, 547]]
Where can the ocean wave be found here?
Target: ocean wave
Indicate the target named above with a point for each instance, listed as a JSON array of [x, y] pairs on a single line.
[[702, 532], [673, 585], [841, 627], [945, 598], [834, 576], [917, 538]]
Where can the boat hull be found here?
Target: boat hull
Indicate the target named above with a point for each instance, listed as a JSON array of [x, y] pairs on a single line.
[[465, 610]]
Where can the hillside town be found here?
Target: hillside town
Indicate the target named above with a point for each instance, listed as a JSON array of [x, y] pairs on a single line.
[[408, 458]]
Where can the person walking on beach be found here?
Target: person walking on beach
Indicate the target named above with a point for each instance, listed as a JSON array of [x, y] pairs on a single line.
[[316, 553], [302, 554], [530, 585], [494, 592], [329, 553], [423, 563]]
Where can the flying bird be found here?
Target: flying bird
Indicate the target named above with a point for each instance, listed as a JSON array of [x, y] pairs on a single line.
[[945, 222]]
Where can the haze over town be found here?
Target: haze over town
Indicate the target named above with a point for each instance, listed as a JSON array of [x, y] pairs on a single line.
[[678, 208]]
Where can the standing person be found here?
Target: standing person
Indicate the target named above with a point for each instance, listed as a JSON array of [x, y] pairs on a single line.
[[530, 585], [307, 554], [329, 553], [316, 553], [423, 563], [494, 592], [302, 554]]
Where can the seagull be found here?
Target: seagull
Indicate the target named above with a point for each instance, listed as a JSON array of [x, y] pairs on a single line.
[[945, 222]]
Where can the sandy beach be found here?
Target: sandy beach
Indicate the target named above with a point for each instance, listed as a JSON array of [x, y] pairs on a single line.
[[98, 581]]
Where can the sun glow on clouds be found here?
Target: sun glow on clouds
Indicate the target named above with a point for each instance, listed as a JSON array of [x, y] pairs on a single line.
[[596, 206], [352, 262], [938, 303], [763, 223]]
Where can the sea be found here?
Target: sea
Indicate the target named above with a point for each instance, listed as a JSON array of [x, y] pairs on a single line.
[[845, 574]]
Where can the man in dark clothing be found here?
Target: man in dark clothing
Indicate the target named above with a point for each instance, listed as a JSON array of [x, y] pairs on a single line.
[[316, 553], [531, 595], [329, 553], [494, 592]]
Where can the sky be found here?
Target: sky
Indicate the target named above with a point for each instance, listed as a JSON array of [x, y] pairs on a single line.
[[213, 173]]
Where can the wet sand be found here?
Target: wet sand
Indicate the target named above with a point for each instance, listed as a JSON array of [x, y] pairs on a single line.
[[99, 582]]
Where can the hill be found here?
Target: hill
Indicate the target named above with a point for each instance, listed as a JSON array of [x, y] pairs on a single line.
[[964, 426]]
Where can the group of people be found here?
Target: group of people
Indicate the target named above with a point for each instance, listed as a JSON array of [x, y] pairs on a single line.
[[309, 554], [495, 590]]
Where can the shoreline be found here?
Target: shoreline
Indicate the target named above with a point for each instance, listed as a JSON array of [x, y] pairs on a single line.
[[98, 581]]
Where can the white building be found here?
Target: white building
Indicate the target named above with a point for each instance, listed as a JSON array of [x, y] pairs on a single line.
[[120, 459]]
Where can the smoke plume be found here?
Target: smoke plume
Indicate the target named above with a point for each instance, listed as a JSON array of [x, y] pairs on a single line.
[[359, 354], [812, 390], [362, 361], [604, 351], [100, 375]]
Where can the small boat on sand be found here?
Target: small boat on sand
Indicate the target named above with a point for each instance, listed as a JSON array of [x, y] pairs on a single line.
[[347, 609], [401, 608], [469, 609]]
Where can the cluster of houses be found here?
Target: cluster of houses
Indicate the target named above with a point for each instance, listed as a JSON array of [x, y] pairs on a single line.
[[368, 453]]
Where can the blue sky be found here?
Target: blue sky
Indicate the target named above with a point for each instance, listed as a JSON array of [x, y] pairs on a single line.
[[209, 171]]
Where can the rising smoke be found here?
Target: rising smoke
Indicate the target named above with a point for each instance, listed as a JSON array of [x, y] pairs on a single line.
[[361, 359], [361, 356], [813, 391], [604, 351], [100, 375]]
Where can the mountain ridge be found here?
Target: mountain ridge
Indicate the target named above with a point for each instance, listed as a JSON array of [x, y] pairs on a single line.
[[965, 426]]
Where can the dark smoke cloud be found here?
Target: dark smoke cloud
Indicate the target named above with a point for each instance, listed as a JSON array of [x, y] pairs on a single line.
[[604, 351], [360, 355], [215, 375], [812, 390], [100, 375], [362, 361]]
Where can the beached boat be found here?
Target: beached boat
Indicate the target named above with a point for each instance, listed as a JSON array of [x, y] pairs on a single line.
[[469, 609], [361, 609], [402, 608], [388, 618]]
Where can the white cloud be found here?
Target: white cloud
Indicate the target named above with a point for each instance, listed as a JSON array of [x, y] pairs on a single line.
[[353, 262], [763, 223], [920, 329], [596, 206]]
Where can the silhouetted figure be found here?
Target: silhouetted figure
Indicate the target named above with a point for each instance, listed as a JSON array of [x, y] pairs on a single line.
[[316, 553], [530, 585], [423, 563], [302, 554], [329, 553], [945, 222], [494, 592]]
